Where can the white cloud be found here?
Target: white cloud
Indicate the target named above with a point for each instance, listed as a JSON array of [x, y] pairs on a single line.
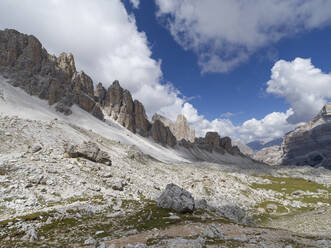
[[135, 3], [104, 40], [107, 45], [272, 126], [305, 87], [224, 33]]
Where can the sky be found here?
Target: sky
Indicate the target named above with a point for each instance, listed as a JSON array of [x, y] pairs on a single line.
[[251, 70]]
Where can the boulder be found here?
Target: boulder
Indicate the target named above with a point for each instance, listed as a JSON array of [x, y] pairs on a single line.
[[88, 150], [176, 198]]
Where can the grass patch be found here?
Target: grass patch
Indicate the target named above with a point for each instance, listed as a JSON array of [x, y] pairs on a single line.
[[289, 184]]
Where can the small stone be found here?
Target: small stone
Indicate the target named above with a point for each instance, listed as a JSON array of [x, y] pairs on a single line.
[[102, 245], [90, 241], [119, 185], [271, 207], [298, 192], [36, 148], [213, 232]]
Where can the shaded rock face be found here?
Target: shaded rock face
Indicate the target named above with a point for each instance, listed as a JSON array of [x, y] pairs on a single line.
[[30, 67], [100, 94], [180, 129], [88, 150], [213, 142], [162, 134], [176, 198], [212, 138], [142, 124], [117, 103], [310, 144]]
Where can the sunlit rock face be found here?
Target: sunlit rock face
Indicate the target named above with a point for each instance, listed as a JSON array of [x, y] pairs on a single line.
[[180, 129], [310, 144]]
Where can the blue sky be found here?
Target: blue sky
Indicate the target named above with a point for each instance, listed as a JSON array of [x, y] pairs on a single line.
[[240, 91], [252, 70]]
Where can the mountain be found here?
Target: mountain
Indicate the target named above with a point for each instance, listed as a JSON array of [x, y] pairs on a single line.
[[255, 145], [82, 166], [245, 149], [180, 128], [26, 64], [258, 145], [310, 144]]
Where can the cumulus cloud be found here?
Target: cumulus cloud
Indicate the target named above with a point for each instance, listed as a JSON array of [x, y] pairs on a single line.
[[305, 87], [225, 33], [104, 40], [107, 45], [272, 126]]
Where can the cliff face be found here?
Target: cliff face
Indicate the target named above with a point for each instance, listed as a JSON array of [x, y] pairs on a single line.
[[180, 129], [27, 65], [310, 144], [30, 67]]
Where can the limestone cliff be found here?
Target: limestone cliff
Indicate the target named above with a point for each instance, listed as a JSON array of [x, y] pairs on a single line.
[[180, 129], [28, 65], [310, 144]]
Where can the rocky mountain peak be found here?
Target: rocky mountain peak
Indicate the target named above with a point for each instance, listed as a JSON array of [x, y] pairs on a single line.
[[308, 144], [28, 65], [67, 63], [183, 130], [180, 128]]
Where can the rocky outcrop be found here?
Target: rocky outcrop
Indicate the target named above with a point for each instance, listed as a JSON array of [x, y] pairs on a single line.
[[183, 130], [100, 94], [162, 134], [176, 198], [118, 104], [310, 144], [142, 125], [30, 67], [213, 142], [88, 150], [180, 129]]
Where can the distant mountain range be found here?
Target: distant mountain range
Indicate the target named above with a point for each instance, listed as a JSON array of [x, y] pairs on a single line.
[[259, 145]]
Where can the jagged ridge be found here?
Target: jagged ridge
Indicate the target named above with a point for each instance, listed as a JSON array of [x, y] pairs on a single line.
[[29, 66]]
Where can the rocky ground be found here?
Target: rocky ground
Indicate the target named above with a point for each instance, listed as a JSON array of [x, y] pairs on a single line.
[[48, 199]]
